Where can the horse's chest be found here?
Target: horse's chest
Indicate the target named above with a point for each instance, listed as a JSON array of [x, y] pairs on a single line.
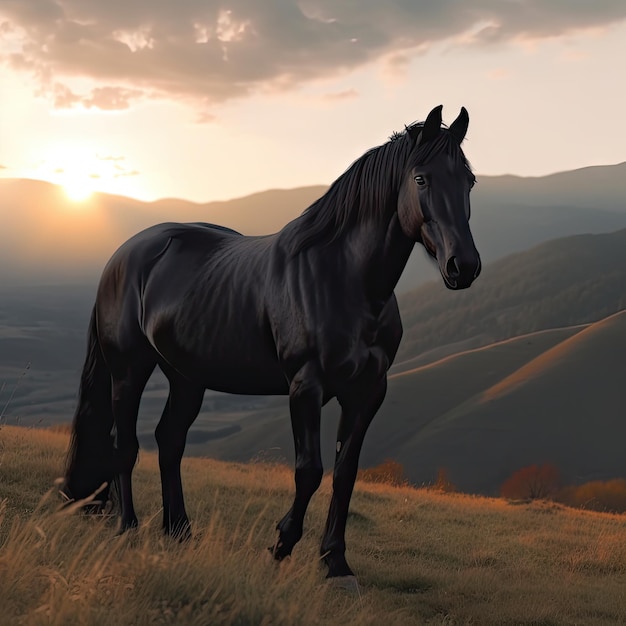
[[339, 344]]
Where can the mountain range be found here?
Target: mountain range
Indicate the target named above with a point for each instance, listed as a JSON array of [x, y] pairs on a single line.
[[48, 238]]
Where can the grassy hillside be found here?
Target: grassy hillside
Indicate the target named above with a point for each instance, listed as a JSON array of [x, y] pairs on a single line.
[[421, 557]]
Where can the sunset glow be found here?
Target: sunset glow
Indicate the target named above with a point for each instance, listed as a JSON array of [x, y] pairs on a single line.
[[219, 116], [82, 169], [73, 166], [78, 189]]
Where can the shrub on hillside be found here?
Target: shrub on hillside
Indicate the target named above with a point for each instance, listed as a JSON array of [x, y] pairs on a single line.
[[533, 482], [607, 496], [389, 472], [443, 482]]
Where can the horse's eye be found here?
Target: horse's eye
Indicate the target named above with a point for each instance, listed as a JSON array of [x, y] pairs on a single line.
[[420, 180]]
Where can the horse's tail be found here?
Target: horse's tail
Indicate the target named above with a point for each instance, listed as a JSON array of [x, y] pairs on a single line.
[[89, 462]]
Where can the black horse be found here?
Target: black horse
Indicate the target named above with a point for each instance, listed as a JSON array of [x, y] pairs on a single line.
[[308, 312]]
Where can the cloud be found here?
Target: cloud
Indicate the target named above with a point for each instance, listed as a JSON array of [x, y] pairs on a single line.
[[115, 166], [347, 94], [111, 98], [397, 64], [198, 50], [62, 96], [499, 73], [206, 117], [121, 172], [125, 173], [103, 98], [110, 157]]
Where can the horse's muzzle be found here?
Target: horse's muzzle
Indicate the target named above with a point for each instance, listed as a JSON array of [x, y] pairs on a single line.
[[461, 273]]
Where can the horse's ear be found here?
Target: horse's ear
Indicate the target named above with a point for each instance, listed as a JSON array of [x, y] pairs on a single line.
[[459, 127], [432, 125]]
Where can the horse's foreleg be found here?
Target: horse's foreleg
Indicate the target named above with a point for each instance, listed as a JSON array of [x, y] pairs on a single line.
[[305, 404], [182, 407], [359, 403]]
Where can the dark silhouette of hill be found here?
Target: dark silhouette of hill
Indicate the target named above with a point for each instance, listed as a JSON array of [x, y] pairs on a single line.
[[601, 187], [46, 237]]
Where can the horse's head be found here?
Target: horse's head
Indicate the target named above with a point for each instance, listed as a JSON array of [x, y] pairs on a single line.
[[434, 204]]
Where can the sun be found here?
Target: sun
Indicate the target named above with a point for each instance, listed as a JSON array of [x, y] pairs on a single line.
[[78, 189], [75, 168], [81, 172]]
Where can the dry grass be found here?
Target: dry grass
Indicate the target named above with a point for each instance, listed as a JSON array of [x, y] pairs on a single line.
[[422, 557]]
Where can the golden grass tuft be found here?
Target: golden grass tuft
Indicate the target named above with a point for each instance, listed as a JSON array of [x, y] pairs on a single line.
[[422, 557]]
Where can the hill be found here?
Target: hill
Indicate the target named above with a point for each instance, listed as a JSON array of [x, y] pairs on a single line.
[[48, 238], [562, 282], [565, 406], [421, 556]]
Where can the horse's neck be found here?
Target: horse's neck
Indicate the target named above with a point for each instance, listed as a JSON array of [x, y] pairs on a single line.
[[383, 254]]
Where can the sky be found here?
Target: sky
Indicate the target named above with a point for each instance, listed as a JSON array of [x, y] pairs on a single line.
[[207, 100]]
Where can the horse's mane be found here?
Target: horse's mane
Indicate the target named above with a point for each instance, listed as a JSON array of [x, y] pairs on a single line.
[[371, 182]]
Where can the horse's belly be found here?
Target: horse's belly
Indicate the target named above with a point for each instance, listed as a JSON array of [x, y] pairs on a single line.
[[226, 359], [262, 378]]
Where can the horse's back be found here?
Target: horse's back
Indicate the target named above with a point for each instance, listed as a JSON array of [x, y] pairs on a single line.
[[129, 269], [196, 292]]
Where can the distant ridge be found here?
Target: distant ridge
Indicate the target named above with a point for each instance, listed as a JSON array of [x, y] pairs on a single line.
[[69, 242], [563, 282], [592, 338]]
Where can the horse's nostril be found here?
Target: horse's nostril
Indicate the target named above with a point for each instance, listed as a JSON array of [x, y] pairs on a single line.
[[452, 267]]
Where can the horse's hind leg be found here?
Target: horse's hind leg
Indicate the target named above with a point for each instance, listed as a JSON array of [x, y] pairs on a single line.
[[182, 407], [305, 404], [128, 385]]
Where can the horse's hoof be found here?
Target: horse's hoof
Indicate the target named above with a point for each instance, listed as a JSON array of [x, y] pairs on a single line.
[[349, 583], [126, 526], [270, 558]]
